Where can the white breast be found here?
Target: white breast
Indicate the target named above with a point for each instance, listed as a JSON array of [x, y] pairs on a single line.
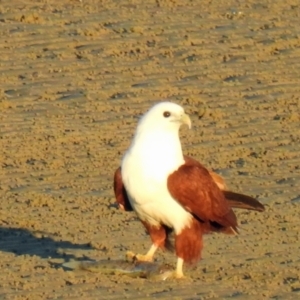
[[145, 169]]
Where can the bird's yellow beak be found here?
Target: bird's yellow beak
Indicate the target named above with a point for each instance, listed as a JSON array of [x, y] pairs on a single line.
[[185, 119]]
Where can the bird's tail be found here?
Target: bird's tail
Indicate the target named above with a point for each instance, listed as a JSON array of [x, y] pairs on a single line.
[[237, 200]]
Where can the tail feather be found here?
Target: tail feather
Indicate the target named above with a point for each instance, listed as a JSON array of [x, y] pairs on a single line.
[[237, 200]]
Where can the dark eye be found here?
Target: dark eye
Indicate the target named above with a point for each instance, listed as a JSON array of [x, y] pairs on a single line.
[[167, 114]]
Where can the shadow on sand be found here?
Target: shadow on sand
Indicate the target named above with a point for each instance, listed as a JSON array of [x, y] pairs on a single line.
[[21, 241]]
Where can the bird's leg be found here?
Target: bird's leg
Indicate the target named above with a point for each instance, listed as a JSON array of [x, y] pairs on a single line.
[[140, 257], [158, 236], [179, 267], [177, 274], [188, 244], [149, 255]]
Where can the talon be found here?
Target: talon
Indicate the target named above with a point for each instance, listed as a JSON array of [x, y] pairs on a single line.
[[171, 275], [179, 275], [130, 256], [138, 257]]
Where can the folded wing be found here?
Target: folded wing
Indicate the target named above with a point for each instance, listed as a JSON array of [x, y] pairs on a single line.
[[193, 187], [120, 192], [237, 200]]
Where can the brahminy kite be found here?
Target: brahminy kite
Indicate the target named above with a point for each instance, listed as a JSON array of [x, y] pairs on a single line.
[[172, 192]]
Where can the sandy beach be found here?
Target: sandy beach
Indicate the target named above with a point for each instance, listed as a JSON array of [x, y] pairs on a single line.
[[76, 76]]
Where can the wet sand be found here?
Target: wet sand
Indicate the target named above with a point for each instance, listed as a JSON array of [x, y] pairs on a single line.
[[75, 76]]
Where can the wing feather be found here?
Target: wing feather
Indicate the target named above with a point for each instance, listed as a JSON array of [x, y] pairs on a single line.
[[120, 192], [193, 187], [237, 200]]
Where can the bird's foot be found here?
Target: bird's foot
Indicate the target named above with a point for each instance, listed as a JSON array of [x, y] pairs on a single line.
[[130, 256], [171, 275]]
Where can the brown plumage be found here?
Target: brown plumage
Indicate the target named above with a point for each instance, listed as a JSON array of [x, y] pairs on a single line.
[[203, 194], [120, 192], [194, 188]]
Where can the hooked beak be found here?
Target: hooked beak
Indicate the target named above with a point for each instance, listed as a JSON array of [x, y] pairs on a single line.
[[185, 119]]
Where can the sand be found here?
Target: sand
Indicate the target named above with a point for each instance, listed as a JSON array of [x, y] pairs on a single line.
[[76, 75]]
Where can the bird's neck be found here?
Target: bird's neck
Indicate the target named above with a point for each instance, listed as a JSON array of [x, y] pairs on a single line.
[[159, 150]]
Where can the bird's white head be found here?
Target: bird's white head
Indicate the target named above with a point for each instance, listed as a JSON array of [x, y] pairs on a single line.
[[164, 115]]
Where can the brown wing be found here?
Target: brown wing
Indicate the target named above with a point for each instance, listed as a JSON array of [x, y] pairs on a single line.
[[193, 187], [218, 180], [216, 177], [120, 191], [237, 200]]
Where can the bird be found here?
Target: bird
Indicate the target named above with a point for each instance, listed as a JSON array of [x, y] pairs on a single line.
[[171, 192]]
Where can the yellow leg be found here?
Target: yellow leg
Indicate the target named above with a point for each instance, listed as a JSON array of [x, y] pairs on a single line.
[[140, 257], [179, 267], [177, 274]]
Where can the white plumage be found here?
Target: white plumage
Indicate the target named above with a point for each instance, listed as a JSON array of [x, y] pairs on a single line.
[[154, 154]]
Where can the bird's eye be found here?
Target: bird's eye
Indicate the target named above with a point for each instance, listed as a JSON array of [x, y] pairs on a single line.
[[167, 114]]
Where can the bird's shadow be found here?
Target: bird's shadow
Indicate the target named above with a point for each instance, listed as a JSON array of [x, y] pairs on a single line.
[[22, 241]]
